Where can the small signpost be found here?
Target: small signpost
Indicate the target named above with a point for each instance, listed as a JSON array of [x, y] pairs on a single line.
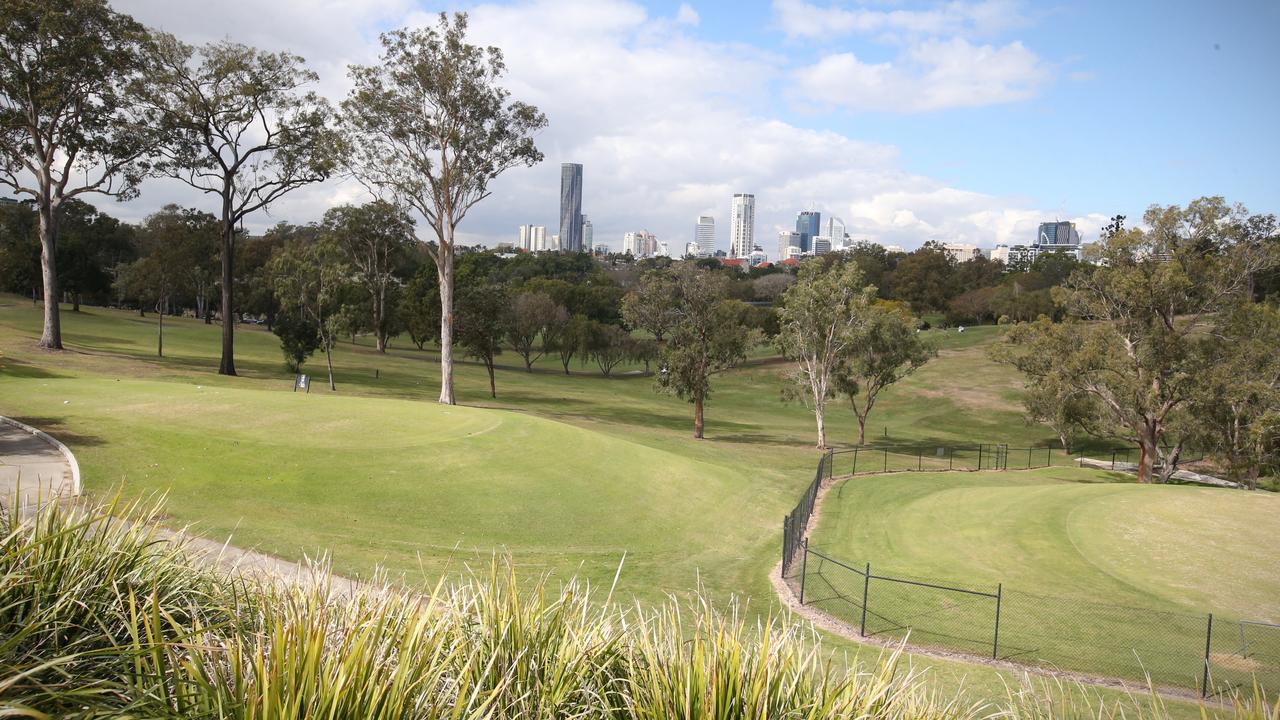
[[302, 382]]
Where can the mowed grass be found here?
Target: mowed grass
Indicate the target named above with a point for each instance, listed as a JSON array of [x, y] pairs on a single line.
[[565, 473], [1098, 574]]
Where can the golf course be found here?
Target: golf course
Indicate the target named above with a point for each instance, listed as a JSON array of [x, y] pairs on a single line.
[[581, 474]]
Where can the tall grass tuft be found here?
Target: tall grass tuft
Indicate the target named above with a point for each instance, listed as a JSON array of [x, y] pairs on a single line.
[[101, 618]]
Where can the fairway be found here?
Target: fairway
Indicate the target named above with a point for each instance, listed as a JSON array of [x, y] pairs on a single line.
[[1095, 575], [566, 474]]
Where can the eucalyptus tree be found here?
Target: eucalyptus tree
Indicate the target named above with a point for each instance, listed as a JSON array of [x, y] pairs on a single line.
[[706, 337], [820, 318], [430, 127], [375, 239], [1130, 345], [69, 120], [311, 281], [239, 124], [884, 348]]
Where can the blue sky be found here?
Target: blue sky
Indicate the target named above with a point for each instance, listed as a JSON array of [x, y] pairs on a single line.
[[965, 121]]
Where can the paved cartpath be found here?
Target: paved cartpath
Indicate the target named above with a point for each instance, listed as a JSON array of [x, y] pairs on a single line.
[[31, 468], [34, 471]]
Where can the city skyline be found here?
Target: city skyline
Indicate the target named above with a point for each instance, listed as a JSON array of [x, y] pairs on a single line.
[[863, 124]]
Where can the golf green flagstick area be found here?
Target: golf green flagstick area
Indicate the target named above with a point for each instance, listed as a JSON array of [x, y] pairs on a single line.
[[568, 474]]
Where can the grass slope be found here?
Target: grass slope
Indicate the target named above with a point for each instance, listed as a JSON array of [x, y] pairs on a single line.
[[1102, 577]]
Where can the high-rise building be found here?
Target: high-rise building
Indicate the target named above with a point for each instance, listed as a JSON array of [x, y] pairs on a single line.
[[786, 240], [588, 234], [532, 238], [554, 244], [742, 225], [962, 252], [835, 229], [692, 249], [809, 225], [1058, 233], [821, 244], [640, 244], [570, 207], [704, 235]]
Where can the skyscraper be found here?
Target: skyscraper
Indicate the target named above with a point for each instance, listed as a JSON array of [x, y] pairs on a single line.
[[742, 225], [704, 235], [835, 230], [787, 240], [570, 207], [533, 238], [588, 234], [809, 225]]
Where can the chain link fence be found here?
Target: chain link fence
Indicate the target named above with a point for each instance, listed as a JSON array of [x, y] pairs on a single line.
[[1207, 653]]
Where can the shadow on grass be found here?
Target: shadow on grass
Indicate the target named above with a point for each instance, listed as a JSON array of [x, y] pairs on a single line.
[[56, 427], [19, 369]]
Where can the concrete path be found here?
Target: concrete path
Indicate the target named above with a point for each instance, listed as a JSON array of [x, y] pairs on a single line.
[[36, 468], [33, 466]]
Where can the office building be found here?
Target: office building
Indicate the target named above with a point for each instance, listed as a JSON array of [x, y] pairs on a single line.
[[742, 225], [787, 239], [533, 238], [640, 244], [554, 243], [821, 245], [961, 252], [836, 231], [704, 235], [809, 225], [588, 233], [570, 207]]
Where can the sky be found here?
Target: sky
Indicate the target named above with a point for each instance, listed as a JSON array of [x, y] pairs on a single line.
[[958, 121]]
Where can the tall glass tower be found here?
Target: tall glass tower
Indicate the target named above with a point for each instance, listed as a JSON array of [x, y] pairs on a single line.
[[809, 225], [571, 207]]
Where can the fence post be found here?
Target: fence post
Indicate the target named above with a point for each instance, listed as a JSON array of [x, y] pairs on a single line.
[[1113, 459], [855, 461], [979, 456], [919, 459], [995, 643], [1208, 638], [831, 461], [1048, 457], [1028, 458], [786, 543], [804, 567], [866, 586], [886, 459], [951, 457]]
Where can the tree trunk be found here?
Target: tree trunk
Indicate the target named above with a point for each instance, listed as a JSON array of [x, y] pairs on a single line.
[[75, 302], [328, 358], [1146, 456], [493, 389], [697, 417], [862, 429], [51, 337], [208, 312], [228, 363], [819, 413], [379, 331], [444, 269], [1169, 463], [160, 335]]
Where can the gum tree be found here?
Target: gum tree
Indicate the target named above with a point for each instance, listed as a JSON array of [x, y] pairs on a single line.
[[375, 238], [707, 336], [430, 127], [238, 124], [883, 349], [69, 124], [821, 316]]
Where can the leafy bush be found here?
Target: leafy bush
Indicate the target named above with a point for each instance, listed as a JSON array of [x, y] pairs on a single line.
[[299, 338]]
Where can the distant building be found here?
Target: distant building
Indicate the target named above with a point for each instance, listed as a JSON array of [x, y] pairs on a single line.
[[835, 230], [756, 257], [554, 243], [693, 249], [821, 245], [809, 225], [1001, 253], [793, 252], [704, 236], [532, 238], [1058, 233], [742, 225], [739, 264], [962, 252], [640, 244], [588, 233], [788, 239], [570, 207]]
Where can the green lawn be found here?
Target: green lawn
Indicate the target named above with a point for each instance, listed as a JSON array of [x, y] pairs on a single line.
[[1101, 577], [564, 473]]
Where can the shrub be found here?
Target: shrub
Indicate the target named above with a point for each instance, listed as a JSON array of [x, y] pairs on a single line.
[[299, 338]]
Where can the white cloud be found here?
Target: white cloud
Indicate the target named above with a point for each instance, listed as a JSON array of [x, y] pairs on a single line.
[[932, 75], [667, 125], [686, 15], [802, 19]]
